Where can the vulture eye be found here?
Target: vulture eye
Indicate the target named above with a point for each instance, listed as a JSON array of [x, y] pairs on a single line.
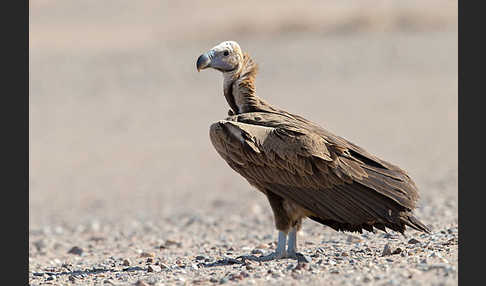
[[226, 53]]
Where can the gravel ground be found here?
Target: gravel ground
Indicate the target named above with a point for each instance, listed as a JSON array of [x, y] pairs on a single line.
[[126, 189], [191, 249]]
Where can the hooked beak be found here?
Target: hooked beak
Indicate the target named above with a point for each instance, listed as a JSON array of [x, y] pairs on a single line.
[[203, 62]]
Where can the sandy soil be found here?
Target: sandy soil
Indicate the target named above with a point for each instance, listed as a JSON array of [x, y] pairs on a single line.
[[122, 169]]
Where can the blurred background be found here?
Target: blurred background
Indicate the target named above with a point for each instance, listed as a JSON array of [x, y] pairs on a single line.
[[119, 117]]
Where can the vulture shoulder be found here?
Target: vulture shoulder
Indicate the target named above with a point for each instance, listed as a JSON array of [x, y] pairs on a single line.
[[332, 178]]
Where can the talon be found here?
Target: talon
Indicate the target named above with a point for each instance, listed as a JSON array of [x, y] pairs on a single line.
[[294, 255], [245, 257], [303, 258]]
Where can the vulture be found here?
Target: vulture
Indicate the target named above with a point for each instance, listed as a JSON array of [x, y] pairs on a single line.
[[304, 170]]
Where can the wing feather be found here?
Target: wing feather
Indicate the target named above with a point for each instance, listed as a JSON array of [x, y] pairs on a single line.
[[332, 178]]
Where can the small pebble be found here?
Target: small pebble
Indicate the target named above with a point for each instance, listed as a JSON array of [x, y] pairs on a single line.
[[153, 268], [367, 279], [147, 254], [126, 262], [305, 258], [443, 260], [76, 250], [301, 265], [257, 251], [141, 283], [134, 268], [39, 244], [244, 274], [386, 250], [96, 238], [413, 241], [164, 266], [397, 251], [170, 242]]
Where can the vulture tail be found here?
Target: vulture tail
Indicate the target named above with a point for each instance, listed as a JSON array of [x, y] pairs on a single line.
[[414, 223]]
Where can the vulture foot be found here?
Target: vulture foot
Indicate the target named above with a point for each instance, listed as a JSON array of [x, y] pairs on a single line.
[[272, 256], [280, 252], [275, 256]]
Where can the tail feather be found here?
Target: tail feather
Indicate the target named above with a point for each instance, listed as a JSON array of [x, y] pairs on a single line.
[[414, 223]]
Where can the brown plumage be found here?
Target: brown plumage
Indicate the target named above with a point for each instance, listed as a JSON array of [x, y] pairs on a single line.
[[303, 169]]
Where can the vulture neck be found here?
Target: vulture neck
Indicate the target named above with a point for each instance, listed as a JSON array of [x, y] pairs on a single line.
[[239, 89]]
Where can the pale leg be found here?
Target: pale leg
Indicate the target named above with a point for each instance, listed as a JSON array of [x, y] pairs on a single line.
[[279, 252], [292, 244], [292, 248], [281, 244]]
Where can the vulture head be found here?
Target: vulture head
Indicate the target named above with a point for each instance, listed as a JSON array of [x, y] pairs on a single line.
[[225, 57]]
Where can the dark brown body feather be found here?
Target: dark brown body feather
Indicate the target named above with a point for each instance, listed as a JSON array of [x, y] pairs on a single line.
[[306, 171]]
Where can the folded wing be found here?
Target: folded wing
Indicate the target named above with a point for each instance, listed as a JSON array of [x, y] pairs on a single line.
[[342, 185]]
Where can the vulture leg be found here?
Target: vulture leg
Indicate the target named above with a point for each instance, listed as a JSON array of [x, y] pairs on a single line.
[[278, 254], [292, 246], [292, 243], [282, 241], [287, 228]]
